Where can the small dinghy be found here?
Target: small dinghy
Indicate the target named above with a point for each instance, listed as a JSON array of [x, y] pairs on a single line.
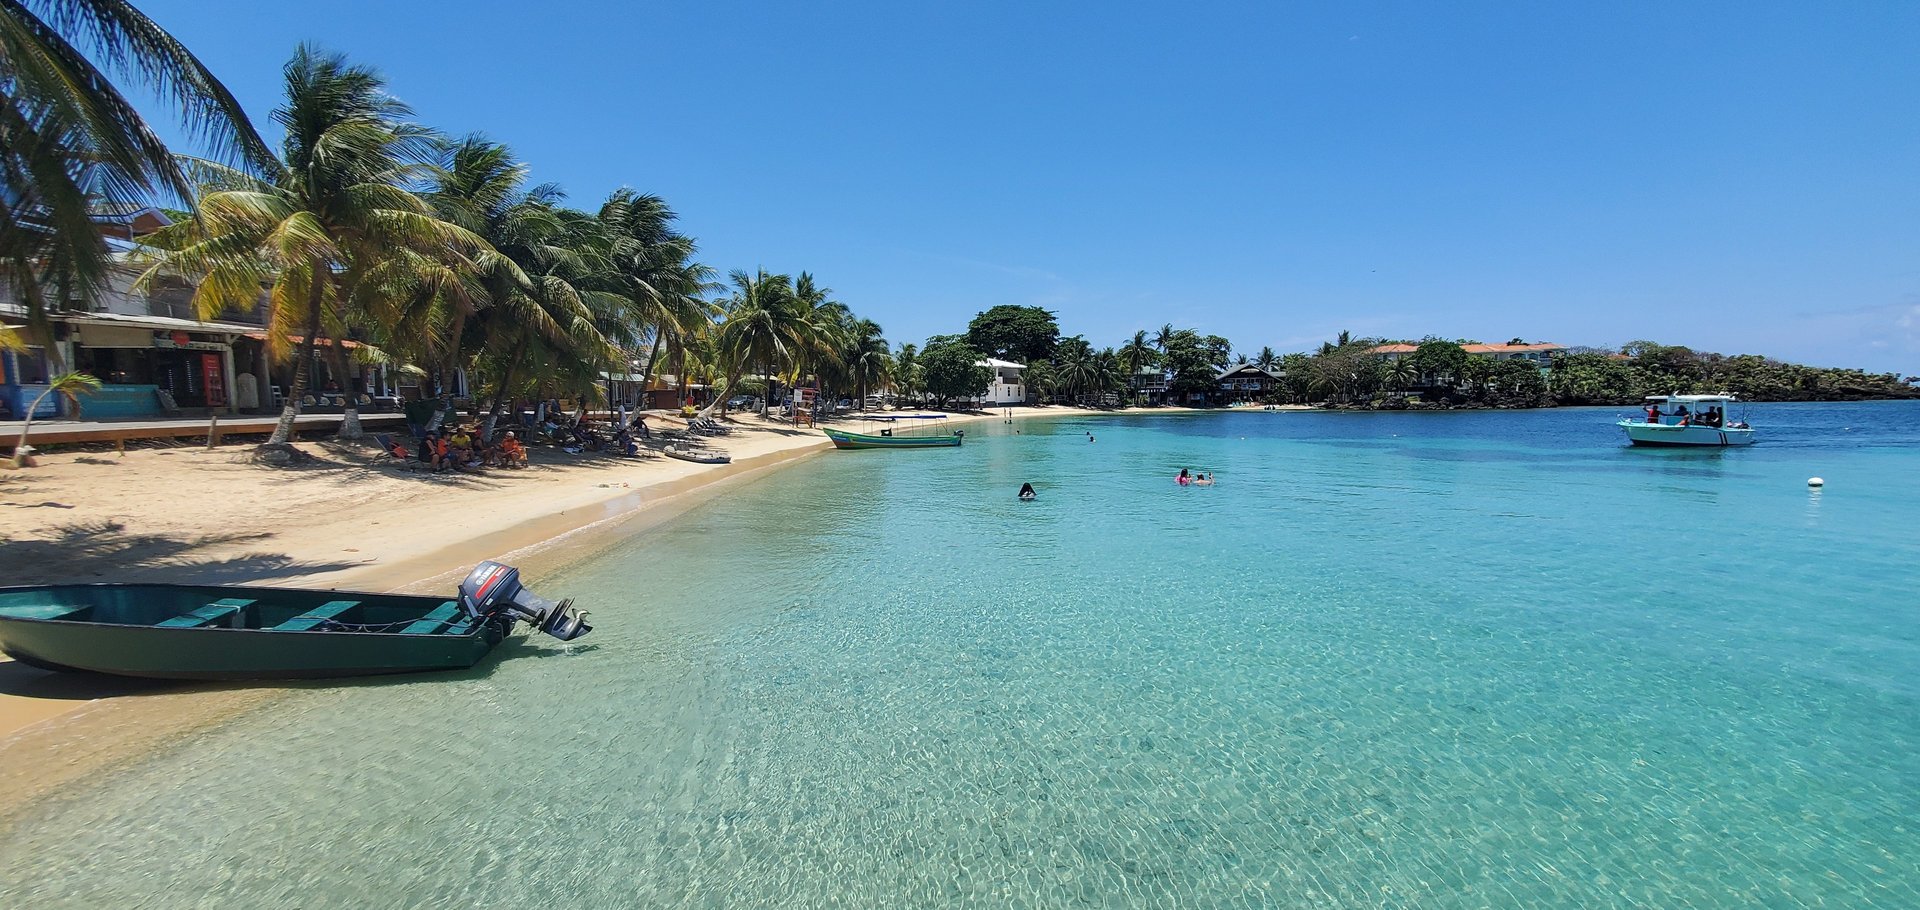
[[698, 456], [197, 632]]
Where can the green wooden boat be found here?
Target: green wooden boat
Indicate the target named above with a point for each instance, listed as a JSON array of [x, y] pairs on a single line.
[[235, 632], [845, 440]]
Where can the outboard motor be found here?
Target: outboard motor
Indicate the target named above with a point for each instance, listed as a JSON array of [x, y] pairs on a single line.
[[493, 589]]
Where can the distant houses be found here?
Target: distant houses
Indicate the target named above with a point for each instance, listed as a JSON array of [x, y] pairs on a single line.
[[1244, 383], [1005, 387], [1540, 354]]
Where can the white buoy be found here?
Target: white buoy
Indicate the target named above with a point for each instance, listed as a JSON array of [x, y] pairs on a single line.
[[1816, 482]]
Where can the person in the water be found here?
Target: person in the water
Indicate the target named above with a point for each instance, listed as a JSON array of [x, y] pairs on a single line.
[[1184, 478], [1027, 493]]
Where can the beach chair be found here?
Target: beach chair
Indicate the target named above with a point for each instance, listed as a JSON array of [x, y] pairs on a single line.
[[397, 452]]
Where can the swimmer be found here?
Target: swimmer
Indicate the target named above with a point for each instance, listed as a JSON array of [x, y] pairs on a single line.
[[1204, 480], [1027, 494], [1184, 478]]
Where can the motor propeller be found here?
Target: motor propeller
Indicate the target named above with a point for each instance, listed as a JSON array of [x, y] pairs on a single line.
[[494, 590]]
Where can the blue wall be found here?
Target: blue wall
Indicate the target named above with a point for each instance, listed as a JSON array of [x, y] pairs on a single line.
[[115, 402]]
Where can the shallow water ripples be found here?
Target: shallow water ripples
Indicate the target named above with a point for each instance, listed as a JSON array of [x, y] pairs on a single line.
[[1343, 678]]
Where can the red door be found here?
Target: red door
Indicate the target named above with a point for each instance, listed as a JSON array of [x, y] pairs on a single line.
[[213, 380]]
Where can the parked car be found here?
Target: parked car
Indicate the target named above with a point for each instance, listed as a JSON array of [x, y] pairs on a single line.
[[740, 401]]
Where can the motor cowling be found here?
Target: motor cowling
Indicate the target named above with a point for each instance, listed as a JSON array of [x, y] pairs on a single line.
[[493, 590]]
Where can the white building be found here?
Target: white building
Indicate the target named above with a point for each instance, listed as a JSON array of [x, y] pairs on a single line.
[[1005, 388]]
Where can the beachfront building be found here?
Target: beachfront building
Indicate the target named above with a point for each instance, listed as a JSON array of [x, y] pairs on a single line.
[[1244, 383], [1005, 387], [155, 359], [1148, 385]]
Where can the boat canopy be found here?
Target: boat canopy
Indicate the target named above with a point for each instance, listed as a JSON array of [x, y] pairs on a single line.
[[1695, 399], [889, 418]]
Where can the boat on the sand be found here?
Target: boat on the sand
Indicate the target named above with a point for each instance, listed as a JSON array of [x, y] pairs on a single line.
[[697, 456], [244, 632]]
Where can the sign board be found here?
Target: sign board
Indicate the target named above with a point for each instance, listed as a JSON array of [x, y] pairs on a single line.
[[174, 343]]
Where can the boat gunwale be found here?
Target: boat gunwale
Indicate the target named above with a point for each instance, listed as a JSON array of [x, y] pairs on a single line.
[[476, 629]]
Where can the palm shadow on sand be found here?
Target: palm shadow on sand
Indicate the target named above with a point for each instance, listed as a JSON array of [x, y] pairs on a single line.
[[104, 551]]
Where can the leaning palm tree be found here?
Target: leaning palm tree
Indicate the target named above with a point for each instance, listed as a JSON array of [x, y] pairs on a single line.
[[69, 140], [651, 266], [69, 386], [533, 302], [330, 214]]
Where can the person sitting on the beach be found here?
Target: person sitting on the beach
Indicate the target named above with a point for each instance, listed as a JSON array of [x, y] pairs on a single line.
[[512, 453], [442, 454], [1027, 493], [1184, 478], [460, 448]]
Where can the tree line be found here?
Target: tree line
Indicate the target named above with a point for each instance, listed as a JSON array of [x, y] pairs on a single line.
[[1350, 371], [433, 254]]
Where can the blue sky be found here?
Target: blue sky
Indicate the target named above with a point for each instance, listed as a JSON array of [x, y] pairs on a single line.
[[1741, 177]]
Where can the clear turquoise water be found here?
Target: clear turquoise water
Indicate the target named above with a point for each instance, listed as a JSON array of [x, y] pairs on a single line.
[[1446, 660]]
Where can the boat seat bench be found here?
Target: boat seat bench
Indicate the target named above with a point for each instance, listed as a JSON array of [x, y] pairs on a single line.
[[210, 614], [305, 622], [431, 623]]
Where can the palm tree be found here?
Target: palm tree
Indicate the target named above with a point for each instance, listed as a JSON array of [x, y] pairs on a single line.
[[69, 386], [906, 371], [70, 140], [1137, 354], [867, 359], [534, 301], [1400, 374], [1041, 379], [1079, 371], [332, 213], [1266, 359], [820, 331], [762, 327], [653, 269], [1164, 337]]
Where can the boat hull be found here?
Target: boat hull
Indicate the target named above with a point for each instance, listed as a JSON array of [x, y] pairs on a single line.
[[698, 459], [845, 440], [119, 636], [1657, 435], [157, 653]]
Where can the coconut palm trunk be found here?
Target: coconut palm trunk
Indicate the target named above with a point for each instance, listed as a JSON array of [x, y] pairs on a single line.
[[66, 385], [302, 366], [506, 384], [350, 413]]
